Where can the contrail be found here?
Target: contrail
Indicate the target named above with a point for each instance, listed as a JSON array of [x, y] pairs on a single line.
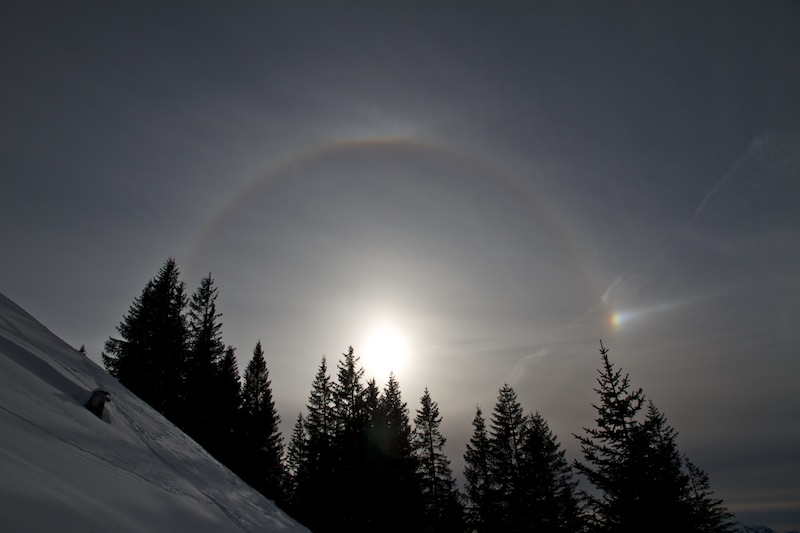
[[755, 144]]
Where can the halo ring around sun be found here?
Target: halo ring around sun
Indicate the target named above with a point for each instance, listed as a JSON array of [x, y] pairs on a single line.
[[283, 175]]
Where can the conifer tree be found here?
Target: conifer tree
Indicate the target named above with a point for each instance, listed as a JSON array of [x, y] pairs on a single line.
[[262, 441], [314, 505], [204, 381], [545, 496], [229, 401], [482, 513], [149, 357], [349, 397], [373, 470], [296, 463], [607, 451], [635, 464], [400, 468], [507, 428], [441, 501], [321, 423], [709, 514]]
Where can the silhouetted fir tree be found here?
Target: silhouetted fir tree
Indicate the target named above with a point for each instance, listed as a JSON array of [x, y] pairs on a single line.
[[150, 356], [296, 464], [316, 482], [441, 501], [349, 398], [262, 444], [637, 467], [482, 513], [663, 491], [670, 486], [372, 397], [545, 496], [607, 451], [372, 470], [507, 428], [709, 515], [349, 395], [205, 421], [229, 399], [401, 484]]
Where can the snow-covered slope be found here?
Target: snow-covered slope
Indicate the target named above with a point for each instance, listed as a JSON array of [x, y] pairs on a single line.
[[64, 469], [745, 528]]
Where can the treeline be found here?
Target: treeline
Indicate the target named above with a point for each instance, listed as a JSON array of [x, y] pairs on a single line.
[[356, 461]]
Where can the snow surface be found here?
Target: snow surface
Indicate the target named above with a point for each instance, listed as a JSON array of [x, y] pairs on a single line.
[[64, 469]]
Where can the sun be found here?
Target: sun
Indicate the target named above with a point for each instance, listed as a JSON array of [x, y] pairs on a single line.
[[385, 350]]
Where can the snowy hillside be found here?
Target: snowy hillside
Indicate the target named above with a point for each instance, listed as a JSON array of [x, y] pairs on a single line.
[[743, 528], [64, 469]]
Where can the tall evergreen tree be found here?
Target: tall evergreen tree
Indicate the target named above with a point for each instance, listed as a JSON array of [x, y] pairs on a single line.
[[314, 505], [403, 490], [229, 400], [373, 466], [204, 381], [635, 464], [149, 357], [296, 464], [507, 428], [349, 395], [709, 514], [482, 512], [350, 415], [607, 450], [545, 499], [262, 441], [441, 501]]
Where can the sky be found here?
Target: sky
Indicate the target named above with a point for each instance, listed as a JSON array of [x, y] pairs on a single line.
[[483, 189]]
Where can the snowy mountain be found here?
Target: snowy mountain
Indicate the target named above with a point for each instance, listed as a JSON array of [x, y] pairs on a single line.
[[64, 469], [744, 528]]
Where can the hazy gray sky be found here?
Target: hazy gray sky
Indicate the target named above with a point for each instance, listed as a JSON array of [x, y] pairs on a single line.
[[499, 184]]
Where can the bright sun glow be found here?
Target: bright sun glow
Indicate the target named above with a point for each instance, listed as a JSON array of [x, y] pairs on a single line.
[[385, 350]]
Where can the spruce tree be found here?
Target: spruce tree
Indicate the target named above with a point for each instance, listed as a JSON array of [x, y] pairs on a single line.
[[262, 444], [441, 501], [314, 505], [402, 484], [708, 514], [350, 415], [149, 357], [204, 381], [229, 400], [635, 464], [482, 512], [349, 396], [296, 464], [608, 452], [545, 496], [507, 427]]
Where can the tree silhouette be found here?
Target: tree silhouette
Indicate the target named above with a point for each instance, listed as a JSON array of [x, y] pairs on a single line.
[[150, 356], [635, 464], [204, 380], [262, 444], [315, 480], [229, 400], [442, 506], [482, 512], [545, 497], [507, 428]]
